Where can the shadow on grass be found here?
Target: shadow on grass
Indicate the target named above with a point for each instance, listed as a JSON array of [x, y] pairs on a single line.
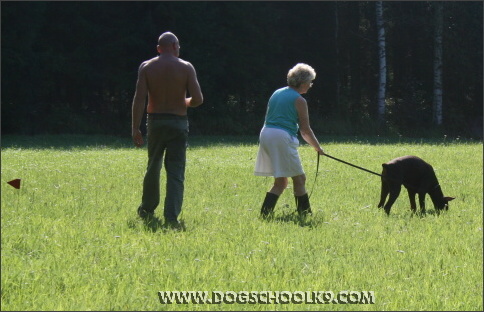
[[309, 221], [417, 214], [72, 141], [436, 213], [154, 224], [66, 142]]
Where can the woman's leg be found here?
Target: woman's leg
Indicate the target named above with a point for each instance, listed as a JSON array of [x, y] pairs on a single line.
[[299, 185], [272, 196], [279, 186], [300, 195]]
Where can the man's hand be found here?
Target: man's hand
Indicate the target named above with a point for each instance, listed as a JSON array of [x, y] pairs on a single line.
[[137, 138]]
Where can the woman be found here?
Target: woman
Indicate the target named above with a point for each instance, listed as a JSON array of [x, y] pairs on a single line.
[[287, 112]]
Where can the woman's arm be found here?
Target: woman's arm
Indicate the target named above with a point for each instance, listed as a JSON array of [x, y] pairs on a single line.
[[304, 127]]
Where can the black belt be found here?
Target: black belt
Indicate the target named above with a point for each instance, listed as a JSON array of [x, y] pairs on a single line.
[[163, 116]]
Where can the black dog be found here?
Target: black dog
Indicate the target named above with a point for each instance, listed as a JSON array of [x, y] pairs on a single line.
[[418, 177]]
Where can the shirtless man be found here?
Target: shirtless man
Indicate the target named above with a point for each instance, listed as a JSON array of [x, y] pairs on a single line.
[[165, 80]]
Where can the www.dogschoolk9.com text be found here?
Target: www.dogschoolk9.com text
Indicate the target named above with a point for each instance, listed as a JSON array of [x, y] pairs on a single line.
[[266, 297]]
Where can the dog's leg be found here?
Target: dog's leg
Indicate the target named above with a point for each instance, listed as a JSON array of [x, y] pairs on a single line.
[[413, 204], [421, 200], [384, 193], [394, 193]]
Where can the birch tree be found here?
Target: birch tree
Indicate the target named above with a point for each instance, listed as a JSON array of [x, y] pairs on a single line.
[[382, 58], [438, 28], [336, 46]]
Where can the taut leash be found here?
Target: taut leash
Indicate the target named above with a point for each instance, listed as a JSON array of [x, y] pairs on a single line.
[[344, 162], [386, 177]]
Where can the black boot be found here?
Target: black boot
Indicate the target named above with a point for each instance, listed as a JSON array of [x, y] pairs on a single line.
[[303, 206], [269, 204]]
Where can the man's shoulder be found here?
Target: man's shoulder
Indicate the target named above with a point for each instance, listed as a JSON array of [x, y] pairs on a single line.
[[185, 63], [154, 59], [147, 62]]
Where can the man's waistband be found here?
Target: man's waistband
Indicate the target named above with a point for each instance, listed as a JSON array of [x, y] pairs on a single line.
[[163, 116]]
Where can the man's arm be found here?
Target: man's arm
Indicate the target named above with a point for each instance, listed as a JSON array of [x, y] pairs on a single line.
[[196, 96], [139, 106]]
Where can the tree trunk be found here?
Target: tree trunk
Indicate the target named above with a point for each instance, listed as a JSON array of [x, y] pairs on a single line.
[[383, 64], [437, 103], [355, 60], [337, 76]]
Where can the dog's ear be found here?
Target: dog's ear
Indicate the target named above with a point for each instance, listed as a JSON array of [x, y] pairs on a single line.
[[384, 165], [448, 199]]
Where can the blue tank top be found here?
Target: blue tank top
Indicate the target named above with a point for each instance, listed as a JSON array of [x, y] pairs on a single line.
[[281, 111]]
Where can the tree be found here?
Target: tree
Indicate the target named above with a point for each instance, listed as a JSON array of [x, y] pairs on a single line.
[[437, 101], [337, 79], [382, 59], [71, 67]]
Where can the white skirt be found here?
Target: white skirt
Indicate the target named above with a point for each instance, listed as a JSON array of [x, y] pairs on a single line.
[[277, 156]]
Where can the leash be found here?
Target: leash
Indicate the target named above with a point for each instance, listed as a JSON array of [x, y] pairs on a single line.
[[372, 172], [344, 162], [315, 177]]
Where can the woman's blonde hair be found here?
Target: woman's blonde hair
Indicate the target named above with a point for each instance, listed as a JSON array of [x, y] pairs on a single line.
[[300, 74]]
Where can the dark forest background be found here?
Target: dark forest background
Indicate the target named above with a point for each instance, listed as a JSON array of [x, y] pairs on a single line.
[[71, 67]]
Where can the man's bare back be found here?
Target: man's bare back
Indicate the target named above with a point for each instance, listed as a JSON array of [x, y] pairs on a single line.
[[165, 80], [168, 79]]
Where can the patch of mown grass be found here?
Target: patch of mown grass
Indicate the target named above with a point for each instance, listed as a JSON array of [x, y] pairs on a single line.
[[71, 239]]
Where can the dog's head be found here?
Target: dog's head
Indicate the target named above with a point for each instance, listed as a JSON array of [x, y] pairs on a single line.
[[440, 201], [444, 203]]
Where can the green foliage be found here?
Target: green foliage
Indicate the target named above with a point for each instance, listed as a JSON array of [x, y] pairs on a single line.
[[71, 67], [71, 239]]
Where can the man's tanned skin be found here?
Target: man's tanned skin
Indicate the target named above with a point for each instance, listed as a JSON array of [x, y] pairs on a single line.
[[165, 79]]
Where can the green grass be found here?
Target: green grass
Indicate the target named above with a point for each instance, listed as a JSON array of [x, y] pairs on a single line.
[[71, 239]]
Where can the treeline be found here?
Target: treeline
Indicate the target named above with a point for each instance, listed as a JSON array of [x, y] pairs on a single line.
[[71, 67]]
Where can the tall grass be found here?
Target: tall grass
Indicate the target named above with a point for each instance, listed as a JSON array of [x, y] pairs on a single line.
[[71, 239]]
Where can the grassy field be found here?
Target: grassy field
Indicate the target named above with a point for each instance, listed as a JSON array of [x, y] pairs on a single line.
[[71, 239]]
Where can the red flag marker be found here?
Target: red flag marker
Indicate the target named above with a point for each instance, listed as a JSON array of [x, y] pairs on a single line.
[[15, 183]]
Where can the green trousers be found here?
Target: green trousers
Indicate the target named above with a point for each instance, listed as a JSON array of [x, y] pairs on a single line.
[[167, 144]]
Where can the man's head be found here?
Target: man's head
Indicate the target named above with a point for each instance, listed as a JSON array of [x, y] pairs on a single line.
[[168, 43]]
